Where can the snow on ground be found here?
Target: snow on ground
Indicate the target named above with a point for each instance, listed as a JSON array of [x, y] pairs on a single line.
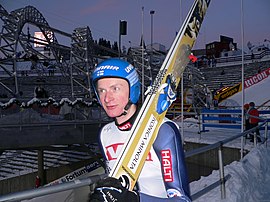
[[248, 179], [192, 134]]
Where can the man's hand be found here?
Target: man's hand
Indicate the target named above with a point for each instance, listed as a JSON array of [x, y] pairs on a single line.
[[111, 190]]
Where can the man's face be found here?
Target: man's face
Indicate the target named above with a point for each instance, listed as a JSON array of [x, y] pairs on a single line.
[[113, 95]]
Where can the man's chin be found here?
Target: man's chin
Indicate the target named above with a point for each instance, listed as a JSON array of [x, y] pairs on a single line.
[[114, 115]]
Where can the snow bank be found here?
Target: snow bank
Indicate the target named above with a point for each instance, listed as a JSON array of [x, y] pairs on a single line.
[[249, 179]]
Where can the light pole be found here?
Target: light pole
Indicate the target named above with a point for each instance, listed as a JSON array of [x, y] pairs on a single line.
[[152, 12], [242, 75], [142, 44]]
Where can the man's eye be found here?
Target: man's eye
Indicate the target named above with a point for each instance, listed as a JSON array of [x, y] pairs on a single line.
[[101, 91], [116, 89]]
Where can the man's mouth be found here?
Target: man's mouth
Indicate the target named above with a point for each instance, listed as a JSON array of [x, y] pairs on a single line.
[[111, 107]]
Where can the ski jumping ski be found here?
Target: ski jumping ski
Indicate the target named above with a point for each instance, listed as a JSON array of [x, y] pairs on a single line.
[[158, 99]]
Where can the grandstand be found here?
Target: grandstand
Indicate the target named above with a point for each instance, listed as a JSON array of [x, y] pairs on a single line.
[[231, 75]]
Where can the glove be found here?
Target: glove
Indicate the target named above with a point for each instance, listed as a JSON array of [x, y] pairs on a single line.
[[111, 190]]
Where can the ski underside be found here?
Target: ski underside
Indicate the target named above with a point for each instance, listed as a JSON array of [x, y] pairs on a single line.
[[158, 99]]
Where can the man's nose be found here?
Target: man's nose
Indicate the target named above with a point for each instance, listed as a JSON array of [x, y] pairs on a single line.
[[109, 96]]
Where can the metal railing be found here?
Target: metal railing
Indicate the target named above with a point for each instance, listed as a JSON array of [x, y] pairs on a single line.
[[29, 194], [219, 145]]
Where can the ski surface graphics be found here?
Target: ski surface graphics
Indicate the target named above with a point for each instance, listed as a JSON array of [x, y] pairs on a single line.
[[158, 99]]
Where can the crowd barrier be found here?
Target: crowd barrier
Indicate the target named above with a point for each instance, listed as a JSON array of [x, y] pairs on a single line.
[[225, 118]]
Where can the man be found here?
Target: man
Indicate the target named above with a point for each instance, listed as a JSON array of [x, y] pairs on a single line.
[[254, 120], [117, 87]]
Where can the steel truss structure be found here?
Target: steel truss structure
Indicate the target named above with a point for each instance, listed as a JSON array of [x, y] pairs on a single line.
[[12, 37], [74, 62], [81, 61]]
